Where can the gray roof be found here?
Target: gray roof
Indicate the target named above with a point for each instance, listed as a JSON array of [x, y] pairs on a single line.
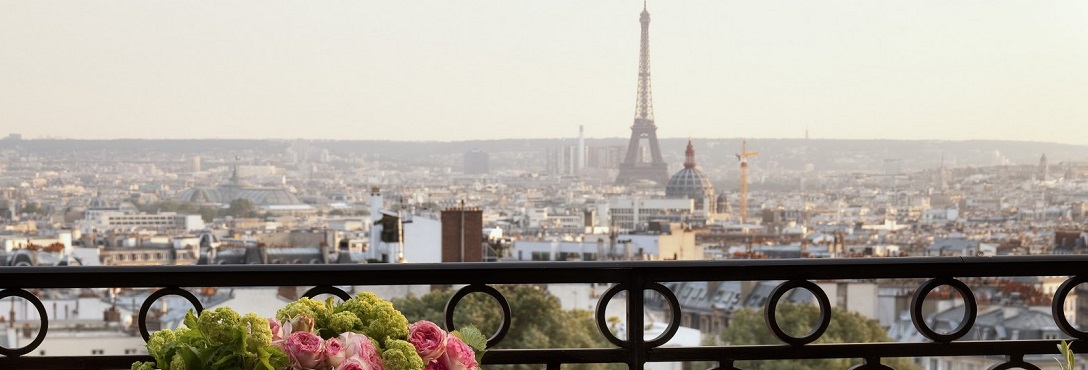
[[696, 296], [991, 323], [952, 244], [226, 193], [762, 291]]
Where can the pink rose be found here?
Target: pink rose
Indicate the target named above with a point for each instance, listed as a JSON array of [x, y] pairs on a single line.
[[305, 349], [360, 347], [429, 340], [437, 365], [298, 323], [277, 329], [334, 352], [353, 363], [459, 356]]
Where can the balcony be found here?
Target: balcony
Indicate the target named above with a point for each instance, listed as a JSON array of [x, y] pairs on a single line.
[[636, 351]]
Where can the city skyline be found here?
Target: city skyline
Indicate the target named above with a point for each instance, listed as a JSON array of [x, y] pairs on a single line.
[[494, 70]]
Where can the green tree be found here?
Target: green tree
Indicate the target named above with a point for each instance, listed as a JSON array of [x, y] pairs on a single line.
[[208, 213], [241, 207], [748, 327], [169, 206], [538, 321], [32, 208]]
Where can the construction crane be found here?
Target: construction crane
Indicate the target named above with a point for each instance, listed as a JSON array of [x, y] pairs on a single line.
[[743, 158]]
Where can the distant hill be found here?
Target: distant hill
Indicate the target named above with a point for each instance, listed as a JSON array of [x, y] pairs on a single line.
[[822, 154]]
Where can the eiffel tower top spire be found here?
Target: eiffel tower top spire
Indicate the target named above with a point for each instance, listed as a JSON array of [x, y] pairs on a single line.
[[644, 102]]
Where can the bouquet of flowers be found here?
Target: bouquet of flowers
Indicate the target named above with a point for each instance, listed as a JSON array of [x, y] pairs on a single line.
[[363, 333]]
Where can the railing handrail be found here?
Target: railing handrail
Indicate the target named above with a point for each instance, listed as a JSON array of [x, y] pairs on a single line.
[[539, 272]]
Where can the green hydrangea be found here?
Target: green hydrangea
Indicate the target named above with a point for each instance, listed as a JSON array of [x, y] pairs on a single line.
[[400, 354], [218, 339], [156, 344], [220, 326], [318, 310], [143, 366], [178, 363], [258, 333], [342, 322], [379, 320]]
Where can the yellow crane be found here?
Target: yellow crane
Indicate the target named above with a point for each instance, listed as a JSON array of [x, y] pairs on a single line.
[[743, 158]]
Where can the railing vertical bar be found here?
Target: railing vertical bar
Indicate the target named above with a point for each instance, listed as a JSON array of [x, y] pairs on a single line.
[[636, 306]]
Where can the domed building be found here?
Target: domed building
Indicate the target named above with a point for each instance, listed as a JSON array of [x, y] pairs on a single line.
[[268, 199], [692, 184]]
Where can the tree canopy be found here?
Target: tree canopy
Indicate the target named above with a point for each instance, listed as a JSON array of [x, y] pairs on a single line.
[[242, 207], [538, 321], [207, 213], [748, 327]]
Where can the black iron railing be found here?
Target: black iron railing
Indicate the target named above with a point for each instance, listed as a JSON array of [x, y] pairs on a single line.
[[624, 276]]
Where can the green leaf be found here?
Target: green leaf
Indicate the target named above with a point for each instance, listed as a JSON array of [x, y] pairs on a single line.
[[223, 360], [276, 357], [1067, 352], [238, 340], [262, 360], [472, 337], [190, 355], [191, 321], [167, 354]]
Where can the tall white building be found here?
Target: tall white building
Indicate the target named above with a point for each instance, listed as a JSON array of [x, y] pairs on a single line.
[[633, 213]]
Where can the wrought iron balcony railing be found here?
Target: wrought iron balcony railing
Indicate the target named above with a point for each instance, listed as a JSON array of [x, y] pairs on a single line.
[[634, 351]]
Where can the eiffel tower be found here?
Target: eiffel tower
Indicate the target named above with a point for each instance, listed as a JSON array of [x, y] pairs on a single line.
[[635, 166]]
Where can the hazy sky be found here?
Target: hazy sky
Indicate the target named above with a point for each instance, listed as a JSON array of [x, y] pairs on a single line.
[[455, 70]]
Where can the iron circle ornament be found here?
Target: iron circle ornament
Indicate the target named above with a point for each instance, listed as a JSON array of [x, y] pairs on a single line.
[[42, 330], [1058, 307], [146, 306], [599, 314], [670, 330], [871, 364], [500, 333], [772, 305], [725, 365], [1016, 362], [969, 313], [326, 289], [674, 318]]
